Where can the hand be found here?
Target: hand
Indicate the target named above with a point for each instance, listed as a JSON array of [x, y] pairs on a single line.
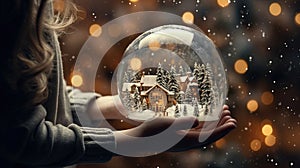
[[169, 134], [206, 132]]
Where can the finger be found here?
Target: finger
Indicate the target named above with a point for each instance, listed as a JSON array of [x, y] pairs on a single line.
[[225, 107]]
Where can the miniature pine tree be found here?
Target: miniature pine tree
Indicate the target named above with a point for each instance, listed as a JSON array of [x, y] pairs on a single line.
[[196, 71], [184, 110], [173, 85], [201, 83], [126, 78], [136, 99], [206, 95], [127, 99], [188, 95], [160, 76], [196, 110], [144, 104], [176, 112]]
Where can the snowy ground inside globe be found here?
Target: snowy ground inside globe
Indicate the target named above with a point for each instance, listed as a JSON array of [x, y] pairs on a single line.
[[170, 112]]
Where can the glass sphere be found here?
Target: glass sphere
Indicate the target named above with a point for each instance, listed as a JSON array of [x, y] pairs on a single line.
[[174, 71]]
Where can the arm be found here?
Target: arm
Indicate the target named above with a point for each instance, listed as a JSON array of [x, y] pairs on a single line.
[[30, 140]]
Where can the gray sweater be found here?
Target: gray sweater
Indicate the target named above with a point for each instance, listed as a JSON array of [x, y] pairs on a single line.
[[48, 136]]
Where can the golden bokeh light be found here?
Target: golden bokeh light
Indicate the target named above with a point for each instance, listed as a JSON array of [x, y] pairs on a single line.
[[275, 9], [154, 45], [223, 3], [267, 129], [297, 19], [255, 145], [252, 105], [133, 1], [135, 64], [267, 98], [220, 143], [241, 66], [270, 140], [77, 80], [95, 30], [188, 17]]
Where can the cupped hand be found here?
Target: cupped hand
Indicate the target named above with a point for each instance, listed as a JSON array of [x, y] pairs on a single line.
[[189, 132]]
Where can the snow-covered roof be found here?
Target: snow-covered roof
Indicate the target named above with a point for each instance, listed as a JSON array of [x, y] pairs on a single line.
[[149, 80], [167, 91], [128, 86]]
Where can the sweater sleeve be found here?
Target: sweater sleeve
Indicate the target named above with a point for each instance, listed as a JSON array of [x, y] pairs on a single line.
[[33, 141], [82, 104]]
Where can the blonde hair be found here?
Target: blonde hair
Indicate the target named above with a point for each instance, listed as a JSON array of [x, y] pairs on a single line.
[[32, 49]]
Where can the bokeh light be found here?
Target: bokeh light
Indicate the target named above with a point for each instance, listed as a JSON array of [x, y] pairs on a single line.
[[270, 140], [133, 1], [241, 66], [297, 19], [275, 9], [77, 80], [252, 105], [188, 18], [220, 143], [255, 145], [95, 30], [154, 45], [267, 98], [223, 3], [135, 64], [267, 130]]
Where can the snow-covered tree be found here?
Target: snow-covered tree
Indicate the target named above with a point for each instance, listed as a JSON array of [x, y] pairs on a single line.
[[127, 99], [126, 78], [173, 85], [144, 104], [176, 112], [136, 99], [201, 80], [188, 95], [206, 87], [160, 76], [196, 110], [196, 71], [184, 110]]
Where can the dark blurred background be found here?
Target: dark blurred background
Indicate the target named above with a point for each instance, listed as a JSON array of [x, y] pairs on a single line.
[[260, 46]]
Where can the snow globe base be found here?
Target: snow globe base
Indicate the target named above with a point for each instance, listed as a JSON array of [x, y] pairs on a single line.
[[173, 71]]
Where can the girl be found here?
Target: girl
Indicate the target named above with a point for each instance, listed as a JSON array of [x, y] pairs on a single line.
[[38, 123]]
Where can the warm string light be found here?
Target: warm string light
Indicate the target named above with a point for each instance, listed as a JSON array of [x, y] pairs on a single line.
[[255, 145], [188, 18], [252, 105], [133, 1], [241, 66], [135, 64], [267, 98], [297, 19], [154, 45], [275, 9], [95, 30], [223, 3], [77, 80], [267, 129], [270, 140]]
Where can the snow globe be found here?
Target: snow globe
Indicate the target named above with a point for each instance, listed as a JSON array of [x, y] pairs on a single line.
[[173, 71]]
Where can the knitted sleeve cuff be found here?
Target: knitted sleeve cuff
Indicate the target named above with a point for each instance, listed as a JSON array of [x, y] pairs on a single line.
[[81, 103], [99, 144]]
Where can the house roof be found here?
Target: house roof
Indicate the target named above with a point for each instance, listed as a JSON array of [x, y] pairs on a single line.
[[157, 85], [128, 86], [149, 80]]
